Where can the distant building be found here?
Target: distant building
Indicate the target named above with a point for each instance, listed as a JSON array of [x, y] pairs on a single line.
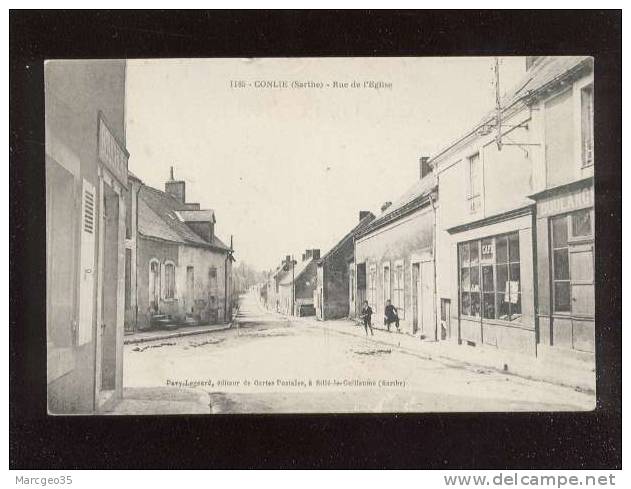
[[515, 227], [297, 283], [334, 296], [88, 205], [183, 269], [394, 259]]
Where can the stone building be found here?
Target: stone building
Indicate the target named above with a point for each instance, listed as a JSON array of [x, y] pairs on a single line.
[[334, 296], [394, 259], [88, 204], [515, 222], [183, 268]]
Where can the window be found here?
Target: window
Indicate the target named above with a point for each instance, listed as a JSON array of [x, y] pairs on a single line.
[[169, 281], [587, 125], [490, 278], [475, 182], [399, 290], [563, 231]]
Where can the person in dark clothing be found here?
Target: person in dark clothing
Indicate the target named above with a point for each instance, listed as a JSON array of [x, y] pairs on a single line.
[[391, 316], [367, 318]]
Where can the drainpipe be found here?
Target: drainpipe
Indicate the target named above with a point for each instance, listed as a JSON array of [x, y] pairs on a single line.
[[431, 200]]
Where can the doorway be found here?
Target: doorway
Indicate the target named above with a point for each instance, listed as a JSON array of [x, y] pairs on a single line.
[[416, 272], [423, 314]]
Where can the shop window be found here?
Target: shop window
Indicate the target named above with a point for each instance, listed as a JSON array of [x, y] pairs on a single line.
[[560, 264], [398, 292], [587, 125], [581, 223], [169, 281], [490, 278], [569, 270]]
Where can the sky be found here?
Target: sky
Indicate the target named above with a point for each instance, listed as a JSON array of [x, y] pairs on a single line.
[[288, 167]]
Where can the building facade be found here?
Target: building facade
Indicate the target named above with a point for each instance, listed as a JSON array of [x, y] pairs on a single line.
[[394, 260], [184, 271], [501, 186], [297, 284], [87, 200], [335, 291]]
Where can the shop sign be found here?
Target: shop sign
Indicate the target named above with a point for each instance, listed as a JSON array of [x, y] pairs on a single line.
[[560, 204], [111, 153]]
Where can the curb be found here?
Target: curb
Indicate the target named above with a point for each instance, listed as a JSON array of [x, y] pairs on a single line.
[[176, 334], [423, 353]]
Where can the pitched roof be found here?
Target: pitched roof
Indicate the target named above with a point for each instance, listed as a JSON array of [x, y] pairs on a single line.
[[204, 215], [363, 224], [299, 268], [157, 218], [544, 73], [409, 201]]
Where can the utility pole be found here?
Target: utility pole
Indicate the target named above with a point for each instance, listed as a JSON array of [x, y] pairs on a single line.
[[498, 106]]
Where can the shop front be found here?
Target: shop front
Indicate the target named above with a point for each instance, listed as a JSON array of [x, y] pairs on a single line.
[[565, 256], [495, 299]]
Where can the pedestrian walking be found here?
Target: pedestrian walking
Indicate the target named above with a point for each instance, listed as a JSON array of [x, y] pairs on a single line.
[[391, 316], [367, 318]]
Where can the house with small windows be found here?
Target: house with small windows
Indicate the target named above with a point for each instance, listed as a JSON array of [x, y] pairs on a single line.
[[394, 259], [183, 270], [514, 251], [334, 296], [296, 284]]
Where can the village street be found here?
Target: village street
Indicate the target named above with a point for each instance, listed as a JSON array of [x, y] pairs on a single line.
[[268, 363]]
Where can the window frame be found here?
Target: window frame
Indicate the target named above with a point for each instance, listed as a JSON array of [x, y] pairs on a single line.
[[155, 280], [166, 295], [509, 263], [398, 288], [585, 163]]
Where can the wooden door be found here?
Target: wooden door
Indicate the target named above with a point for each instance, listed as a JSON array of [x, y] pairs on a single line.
[[582, 296], [190, 289]]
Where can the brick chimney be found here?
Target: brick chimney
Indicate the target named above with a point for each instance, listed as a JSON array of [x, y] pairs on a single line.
[[315, 254], [363, 215], [424, 167], [176, 189]]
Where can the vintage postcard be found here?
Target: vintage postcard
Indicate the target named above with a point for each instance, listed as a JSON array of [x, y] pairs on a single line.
[[320, 235]]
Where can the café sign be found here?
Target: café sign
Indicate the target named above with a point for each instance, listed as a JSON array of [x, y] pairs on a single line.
[[111, 153]]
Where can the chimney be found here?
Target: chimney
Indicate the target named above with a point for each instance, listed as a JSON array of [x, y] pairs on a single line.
[[424, 166], [363, 215], [385, 206], [315, 254], [307, 254], [304, 256], [176, 189]]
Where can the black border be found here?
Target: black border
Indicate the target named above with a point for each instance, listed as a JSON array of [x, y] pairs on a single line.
[[438, 441]]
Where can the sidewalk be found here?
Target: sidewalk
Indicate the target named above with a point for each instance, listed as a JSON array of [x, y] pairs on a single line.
[[558, 370], [153, 335]]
